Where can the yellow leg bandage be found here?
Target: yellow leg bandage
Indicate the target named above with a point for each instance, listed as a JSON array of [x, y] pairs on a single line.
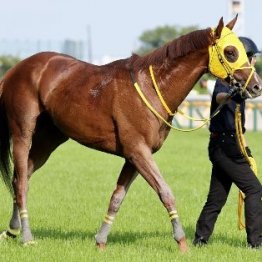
[[23, 214], [109, 219], [173, 214]]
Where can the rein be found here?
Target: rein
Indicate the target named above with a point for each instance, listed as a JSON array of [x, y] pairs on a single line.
[[153, 110], [218, 66], [250, 160], [163, 101]]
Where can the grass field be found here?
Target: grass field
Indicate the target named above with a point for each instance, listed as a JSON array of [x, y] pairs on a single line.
[[68, 199]]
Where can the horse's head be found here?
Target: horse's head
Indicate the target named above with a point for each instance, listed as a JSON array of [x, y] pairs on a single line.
[[228, 60]]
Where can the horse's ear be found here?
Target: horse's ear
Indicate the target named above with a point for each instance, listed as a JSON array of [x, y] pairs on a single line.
[[231, 24], [219, 28]]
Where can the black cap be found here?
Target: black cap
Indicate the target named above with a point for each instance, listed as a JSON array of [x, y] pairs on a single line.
[[249, 45]]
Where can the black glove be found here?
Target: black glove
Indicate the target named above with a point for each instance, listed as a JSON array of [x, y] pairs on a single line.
[[234, 93], [248, 151], [237, 98], [234, 90]]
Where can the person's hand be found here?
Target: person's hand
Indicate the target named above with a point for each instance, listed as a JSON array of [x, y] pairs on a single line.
[[235, 94], [234, 91], [237, 98]]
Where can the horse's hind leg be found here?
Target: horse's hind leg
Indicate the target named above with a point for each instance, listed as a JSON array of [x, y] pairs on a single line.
[[22, 138], [15, 224], [126, 177], [45, 140]]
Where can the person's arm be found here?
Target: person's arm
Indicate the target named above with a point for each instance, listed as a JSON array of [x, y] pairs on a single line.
[[220, 91], [220, 98]]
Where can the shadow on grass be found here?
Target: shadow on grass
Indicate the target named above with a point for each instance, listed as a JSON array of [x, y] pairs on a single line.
[[231, 241], [130, 237], [56, 233], [114, 237]]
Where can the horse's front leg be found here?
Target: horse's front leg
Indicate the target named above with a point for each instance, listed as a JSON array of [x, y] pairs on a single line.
[[126, 177], [142, 158]]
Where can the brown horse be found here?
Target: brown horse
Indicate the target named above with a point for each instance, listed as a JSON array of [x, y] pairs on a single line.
[[49, 97]]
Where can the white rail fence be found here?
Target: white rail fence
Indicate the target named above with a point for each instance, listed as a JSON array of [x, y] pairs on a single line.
[[198, 106]]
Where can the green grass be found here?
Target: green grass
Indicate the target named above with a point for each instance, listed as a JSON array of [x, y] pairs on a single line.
[[68, 199]]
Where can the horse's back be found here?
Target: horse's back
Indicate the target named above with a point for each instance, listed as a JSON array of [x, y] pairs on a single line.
[[39, 74], [25, 75], [85, 102]]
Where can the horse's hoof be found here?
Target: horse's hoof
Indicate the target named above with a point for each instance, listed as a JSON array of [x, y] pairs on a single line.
[[29, 243], [101, 246], [183, 245]]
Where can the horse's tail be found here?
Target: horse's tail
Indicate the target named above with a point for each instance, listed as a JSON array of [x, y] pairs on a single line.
[[5, 154]]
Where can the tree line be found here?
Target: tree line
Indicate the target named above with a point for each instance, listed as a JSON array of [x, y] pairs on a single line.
[[152, 39], [149, 40]]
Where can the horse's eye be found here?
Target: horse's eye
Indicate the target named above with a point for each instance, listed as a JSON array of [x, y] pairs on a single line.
[[231, 54]]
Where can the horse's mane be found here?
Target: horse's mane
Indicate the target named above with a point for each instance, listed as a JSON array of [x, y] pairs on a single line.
[[179, 47]]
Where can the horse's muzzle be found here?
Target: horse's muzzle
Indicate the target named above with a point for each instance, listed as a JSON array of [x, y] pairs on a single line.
[[252, 92]]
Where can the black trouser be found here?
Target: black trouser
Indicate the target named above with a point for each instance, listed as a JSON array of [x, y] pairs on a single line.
[[225, 171]]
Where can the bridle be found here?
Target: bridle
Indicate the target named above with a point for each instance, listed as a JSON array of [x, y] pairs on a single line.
[[220, 67]]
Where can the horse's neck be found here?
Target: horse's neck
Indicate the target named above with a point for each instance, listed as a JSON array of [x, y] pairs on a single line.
[[177, 81]]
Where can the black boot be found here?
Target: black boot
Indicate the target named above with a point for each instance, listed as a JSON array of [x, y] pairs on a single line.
[[199, 242], [256, 245]]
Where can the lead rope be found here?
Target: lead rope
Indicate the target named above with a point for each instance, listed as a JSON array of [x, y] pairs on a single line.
[[165, 104], [147, 103], [251, 161], [153, 110]]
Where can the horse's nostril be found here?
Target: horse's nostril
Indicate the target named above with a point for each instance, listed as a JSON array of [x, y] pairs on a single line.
[[256, 87]]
